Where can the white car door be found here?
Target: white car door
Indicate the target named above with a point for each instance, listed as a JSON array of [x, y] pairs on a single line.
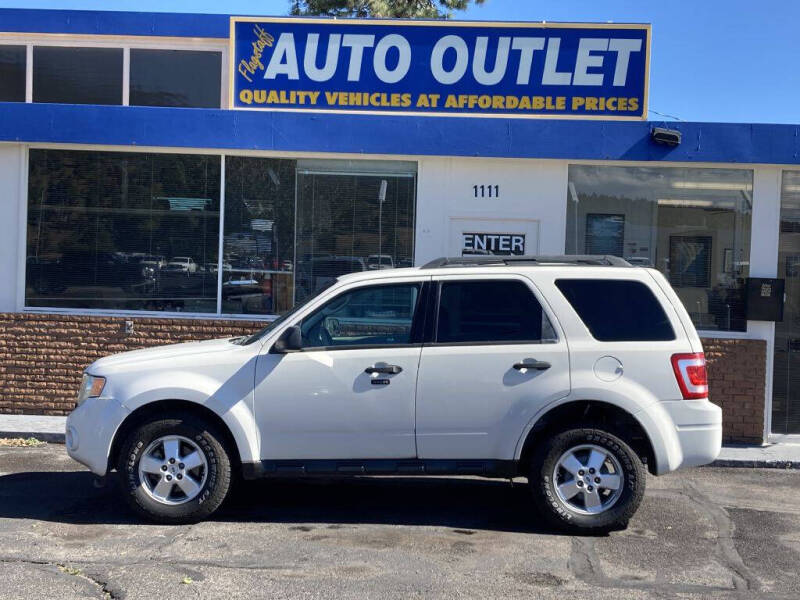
[[349, 393], [475, 393]]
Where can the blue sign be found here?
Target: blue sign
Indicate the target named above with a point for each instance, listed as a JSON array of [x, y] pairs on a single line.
[[440, 67]]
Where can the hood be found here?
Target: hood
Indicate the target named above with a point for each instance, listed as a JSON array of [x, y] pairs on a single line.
[[159, 353]]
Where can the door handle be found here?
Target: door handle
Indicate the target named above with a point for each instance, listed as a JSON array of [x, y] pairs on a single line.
[[539, 365], [387, 369]]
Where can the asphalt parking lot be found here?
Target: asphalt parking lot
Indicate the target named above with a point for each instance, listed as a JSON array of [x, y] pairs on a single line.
[[704, 533]]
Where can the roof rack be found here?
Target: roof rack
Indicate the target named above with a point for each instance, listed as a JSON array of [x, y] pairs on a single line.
[[500, 261]]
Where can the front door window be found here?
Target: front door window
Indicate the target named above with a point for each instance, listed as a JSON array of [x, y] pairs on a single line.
[[372, 316]]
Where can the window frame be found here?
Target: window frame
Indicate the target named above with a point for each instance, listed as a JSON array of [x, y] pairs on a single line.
[[336, 168], [432, 324], [26, 58], [223, 79], [118, 52], [22, 240], [126, 43], [418, 319]]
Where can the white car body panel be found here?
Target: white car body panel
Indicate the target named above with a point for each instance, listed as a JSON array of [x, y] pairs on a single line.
[[322, 405], [470, 399], [468, 403], [215, 373]]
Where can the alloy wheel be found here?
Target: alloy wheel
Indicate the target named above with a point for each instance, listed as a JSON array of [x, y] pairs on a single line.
[[173, 470], [588, 479]]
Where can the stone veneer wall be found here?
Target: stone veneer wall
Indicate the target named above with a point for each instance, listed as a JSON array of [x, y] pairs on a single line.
[[42, 357], [737, 376]]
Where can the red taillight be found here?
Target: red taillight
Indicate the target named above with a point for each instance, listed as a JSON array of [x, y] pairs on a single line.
[[690, 371]]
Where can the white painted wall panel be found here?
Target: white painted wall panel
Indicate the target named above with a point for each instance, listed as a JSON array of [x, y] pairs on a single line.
[[764, 262], [10, 205], [531, 190]]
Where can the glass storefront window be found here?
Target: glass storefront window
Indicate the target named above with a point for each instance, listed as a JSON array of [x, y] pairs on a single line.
[[71, 75], [136, 231], [786, 372], [186, 78], [691, 224], [122, 231], [258, 255], [12, 73], [350, 222]]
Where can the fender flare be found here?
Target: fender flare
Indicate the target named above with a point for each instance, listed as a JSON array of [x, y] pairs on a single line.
[[237, 415], [653, 419]]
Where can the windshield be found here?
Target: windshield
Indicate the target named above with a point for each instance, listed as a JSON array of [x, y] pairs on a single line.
[[283, 318]]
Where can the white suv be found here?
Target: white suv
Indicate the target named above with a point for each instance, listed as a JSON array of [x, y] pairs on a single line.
[[575, 372]]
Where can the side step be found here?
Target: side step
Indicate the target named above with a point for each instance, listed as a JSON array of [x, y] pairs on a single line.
[[503, 469]]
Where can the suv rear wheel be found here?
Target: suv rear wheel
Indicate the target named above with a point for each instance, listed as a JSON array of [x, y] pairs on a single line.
[[586, 479], [175, 469]]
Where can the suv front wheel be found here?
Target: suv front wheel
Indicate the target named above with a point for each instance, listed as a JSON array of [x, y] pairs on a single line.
[[175, 469], [586, 479]]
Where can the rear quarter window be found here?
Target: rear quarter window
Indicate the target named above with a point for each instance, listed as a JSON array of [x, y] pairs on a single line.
[[617, 310]]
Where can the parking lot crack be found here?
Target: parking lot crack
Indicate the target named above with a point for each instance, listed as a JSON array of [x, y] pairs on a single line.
[[106, 592], [182, 533], [26, 561], [580, 560], [743, 578], [585, 564]]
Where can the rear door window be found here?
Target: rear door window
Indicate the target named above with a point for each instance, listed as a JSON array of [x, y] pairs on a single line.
[[618, 310], [491, 311]]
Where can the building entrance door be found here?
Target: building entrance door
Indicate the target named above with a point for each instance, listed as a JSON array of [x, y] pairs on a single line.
[[786, 372], [504, 237]]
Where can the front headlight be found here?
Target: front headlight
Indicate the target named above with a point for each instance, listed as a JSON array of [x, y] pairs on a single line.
[[91, 387]]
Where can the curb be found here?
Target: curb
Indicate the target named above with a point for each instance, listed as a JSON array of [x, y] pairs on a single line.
[[51, 438]]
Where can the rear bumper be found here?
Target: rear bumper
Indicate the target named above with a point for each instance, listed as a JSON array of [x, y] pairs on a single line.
[[692, 433]]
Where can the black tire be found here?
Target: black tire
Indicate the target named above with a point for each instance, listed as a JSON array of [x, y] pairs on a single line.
[[560, 513], [218, 477]]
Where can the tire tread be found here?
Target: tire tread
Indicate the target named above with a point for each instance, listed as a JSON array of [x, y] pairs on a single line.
[[219, 466], [542, 465]]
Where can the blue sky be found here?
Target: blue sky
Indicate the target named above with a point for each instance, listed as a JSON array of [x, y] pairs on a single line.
[[711, 60]]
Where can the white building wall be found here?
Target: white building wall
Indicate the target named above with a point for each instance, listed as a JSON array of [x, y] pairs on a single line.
[[764, 262], [531, 191], [11, 171]]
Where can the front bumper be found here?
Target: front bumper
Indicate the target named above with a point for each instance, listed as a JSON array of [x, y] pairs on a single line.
[[90, 431]]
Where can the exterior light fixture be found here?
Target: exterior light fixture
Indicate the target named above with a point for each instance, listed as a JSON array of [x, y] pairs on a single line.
[[668, 137]]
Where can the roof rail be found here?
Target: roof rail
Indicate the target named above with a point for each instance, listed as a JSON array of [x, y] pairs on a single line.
[[500, 261]]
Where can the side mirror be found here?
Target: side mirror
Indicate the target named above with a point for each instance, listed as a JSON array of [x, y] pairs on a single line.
[[291, 340]]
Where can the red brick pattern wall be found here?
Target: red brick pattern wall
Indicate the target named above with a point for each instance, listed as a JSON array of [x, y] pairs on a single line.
[[42, 357], [736, 381]]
